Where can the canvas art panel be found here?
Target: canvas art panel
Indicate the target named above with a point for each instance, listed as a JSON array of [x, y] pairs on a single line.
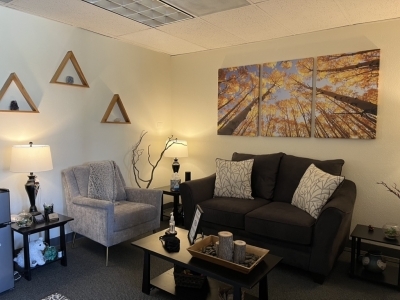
[[238, 100], [286, 98], [347, 95]]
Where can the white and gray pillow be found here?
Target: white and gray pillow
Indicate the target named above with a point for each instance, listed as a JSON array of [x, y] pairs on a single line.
[[233, 178], [314, 190]]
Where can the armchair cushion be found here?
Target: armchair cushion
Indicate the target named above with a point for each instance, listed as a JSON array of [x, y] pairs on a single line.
[[128, 214]]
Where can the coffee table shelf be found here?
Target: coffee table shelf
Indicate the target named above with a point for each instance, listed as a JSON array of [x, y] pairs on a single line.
[[209, 291]]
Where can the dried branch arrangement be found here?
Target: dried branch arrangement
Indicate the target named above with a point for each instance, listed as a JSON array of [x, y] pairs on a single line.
[[392, 189], [137, 153]]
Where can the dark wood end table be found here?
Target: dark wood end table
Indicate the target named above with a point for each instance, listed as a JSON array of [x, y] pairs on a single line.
[[178, 216], [35, 228], [391, 275], [215, 273]]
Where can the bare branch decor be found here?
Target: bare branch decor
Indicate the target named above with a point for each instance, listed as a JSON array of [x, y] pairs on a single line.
[[393, 189], [137, 153]]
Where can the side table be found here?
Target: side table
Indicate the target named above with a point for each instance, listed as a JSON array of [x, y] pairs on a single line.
[[391, 275], [35, 228], [176, 194]]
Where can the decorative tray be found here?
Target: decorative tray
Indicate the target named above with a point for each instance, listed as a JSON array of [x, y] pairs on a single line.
[[195, 251]]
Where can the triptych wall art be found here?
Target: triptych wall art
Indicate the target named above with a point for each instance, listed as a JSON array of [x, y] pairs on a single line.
[[276, 99]]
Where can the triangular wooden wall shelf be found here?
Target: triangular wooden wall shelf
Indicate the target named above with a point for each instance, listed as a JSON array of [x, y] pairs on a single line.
[[70, 56], [116, 99], [18, 83]]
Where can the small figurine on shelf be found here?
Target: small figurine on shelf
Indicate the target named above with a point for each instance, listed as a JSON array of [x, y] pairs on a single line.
[[370, 228], [14, 105]]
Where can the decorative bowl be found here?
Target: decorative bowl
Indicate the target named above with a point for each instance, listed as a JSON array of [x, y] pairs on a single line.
[[391, 231], [24, 219]]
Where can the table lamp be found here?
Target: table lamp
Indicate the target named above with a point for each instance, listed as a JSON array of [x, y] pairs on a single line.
[[177, 148], [31, 158]]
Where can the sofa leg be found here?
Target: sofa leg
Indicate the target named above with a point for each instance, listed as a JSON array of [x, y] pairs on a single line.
[[106, 256], [319, 278]]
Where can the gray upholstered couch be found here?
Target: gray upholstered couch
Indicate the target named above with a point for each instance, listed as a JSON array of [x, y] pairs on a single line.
[[270, 220]]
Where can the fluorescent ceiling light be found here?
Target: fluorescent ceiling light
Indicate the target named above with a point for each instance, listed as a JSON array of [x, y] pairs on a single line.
[[150, 12]]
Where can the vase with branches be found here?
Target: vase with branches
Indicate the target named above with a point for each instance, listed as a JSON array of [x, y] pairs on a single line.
[[391, 230], [136, 154]]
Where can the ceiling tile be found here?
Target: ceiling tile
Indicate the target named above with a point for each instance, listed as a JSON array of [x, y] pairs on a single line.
[[249, 23], [80, 14], [303, 16], [199, 32], [204, 7], [361, 11], [160, 41]]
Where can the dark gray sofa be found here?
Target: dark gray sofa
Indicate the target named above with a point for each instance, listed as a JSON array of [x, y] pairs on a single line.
[[270, 220]]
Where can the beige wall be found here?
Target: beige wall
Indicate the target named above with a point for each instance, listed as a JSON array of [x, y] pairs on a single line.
[[194, 96], [69, 118]]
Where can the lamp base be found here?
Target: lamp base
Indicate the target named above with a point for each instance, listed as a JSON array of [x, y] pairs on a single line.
[[35, 213], [175, 165]]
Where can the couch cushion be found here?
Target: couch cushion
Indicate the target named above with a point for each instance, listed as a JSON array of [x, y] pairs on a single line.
[[263, 176], [291, 170], [229, 211], [128, 214], [281, 221], [233, 178], [315, 188]]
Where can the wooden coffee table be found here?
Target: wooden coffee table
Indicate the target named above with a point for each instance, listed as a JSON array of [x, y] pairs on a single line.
[[152, 246]]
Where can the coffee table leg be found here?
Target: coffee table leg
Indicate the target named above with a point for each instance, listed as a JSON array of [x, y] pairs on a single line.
[[237, 292], [146, 273], [263, 289]]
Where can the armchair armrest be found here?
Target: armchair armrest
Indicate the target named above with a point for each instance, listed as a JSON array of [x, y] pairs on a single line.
[[95, 203], [194, 192], [148, 196], [332, 228]]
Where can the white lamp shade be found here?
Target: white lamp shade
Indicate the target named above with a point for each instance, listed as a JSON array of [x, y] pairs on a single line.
[[178, 148], [35, 158]]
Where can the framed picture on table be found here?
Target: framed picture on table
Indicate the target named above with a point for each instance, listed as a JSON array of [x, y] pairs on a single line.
[[194, 228]]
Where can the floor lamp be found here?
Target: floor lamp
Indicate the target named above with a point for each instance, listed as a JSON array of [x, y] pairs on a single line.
[[28, 159]]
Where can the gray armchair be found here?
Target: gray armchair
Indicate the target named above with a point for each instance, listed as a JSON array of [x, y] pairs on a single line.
[[104, 209]]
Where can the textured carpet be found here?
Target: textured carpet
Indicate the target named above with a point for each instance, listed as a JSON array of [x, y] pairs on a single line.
[[86, 277]]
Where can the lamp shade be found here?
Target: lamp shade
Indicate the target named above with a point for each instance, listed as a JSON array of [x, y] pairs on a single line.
[[31, 158], [178, 148]]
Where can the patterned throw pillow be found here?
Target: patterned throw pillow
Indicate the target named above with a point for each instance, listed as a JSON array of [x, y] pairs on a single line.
[[314, 189], [233, 178]]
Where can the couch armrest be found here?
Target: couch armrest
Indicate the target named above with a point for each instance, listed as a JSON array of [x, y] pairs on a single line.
[[332, 228], [193, 192], [148, 196]]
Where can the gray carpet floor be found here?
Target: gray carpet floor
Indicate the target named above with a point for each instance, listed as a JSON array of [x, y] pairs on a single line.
[[86, 277]]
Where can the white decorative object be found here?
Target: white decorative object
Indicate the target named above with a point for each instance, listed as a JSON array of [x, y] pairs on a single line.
[[35, 254], [314, 190], [239, 251], [225, 248]]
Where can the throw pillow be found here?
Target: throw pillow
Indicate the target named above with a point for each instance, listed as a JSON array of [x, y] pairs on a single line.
[[233, 178], [314, 190]]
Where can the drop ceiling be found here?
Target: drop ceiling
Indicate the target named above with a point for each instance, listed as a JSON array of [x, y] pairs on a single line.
[[211, 25]]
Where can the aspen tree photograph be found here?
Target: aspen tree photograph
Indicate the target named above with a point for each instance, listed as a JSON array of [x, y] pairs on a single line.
[[286, 98], [238, 99], [347, 95]]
